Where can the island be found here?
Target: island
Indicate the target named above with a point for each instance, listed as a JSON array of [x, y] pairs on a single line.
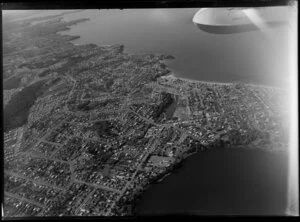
[[88, 128]]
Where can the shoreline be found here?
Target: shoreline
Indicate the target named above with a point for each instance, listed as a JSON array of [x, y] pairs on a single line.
[[172, 76], [179, 164]]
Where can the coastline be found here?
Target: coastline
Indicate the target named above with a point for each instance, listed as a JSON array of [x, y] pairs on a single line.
[[177, 165], [172, 76], [145, 209], [179, 162], [158, 179]]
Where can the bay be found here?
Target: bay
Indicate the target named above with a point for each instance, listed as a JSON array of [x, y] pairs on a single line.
[[260, 57]]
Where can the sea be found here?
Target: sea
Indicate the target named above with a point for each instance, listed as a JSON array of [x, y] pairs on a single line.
[[221, 182], [259, 57], [215, 182]]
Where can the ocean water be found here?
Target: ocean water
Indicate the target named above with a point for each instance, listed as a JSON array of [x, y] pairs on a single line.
[[221, 182], [260, 56]]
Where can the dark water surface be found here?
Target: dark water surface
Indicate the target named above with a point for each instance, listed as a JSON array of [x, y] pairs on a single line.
[[259, 56], [223, 181]]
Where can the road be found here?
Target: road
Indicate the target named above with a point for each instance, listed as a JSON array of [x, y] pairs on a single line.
[[44, 157], [97, 186], [39, 182], [24, 199]]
